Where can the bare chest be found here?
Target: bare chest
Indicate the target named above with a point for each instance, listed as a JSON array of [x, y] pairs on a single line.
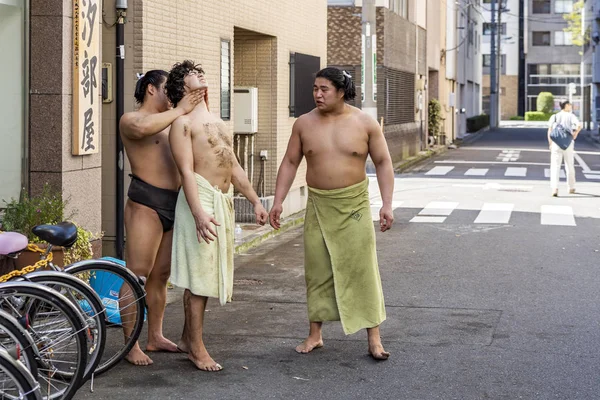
[[341, 140]]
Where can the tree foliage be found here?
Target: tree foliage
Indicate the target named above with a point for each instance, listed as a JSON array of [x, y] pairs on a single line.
[[575, 26]]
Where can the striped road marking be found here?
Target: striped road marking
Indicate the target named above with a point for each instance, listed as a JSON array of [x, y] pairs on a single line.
[[477, 172], [558, 215], [547, 173], [516, 171], [439, 170], [495, 213]]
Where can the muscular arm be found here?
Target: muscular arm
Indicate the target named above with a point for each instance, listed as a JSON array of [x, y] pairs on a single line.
[[136, 125], [289, 165], [380, 155], [242, 184], [180, 139]]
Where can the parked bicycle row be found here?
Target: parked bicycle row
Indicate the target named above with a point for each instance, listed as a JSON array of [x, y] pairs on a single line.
[[61, 327]]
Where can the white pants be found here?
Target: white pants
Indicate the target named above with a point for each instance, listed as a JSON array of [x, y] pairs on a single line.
[[556, 158]]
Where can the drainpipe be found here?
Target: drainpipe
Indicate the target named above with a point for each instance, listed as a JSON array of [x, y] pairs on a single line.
[[121, 6]]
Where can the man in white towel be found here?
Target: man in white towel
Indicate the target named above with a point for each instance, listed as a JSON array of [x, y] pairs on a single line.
[[202, 257]]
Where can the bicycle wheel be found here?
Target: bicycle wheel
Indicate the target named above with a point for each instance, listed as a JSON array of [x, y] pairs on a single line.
[[16, 382], [57, 331], [15, 339], [124, 297], [89, 306]]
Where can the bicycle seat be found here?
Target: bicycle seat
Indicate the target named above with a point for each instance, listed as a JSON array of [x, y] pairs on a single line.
[[63, 234], [12, 242]]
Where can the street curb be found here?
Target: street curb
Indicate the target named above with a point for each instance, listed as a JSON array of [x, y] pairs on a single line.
[[472, 137], [266, 233], [403, 165]]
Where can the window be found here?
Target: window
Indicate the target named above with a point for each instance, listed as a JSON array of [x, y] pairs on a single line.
[[562, 38], [225, 80], [487, 60], [303, 69], [487, 29], [541, 38], [13, 97], [563, 6], [400, 7], [541, 6]]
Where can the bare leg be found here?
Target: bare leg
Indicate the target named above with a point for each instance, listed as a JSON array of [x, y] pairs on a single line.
[[144, 235], [156, 289], [194, 319], [375, 347], [314, 339], [184, 343]]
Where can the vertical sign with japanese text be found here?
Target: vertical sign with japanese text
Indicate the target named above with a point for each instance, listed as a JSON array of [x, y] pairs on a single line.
[[86, 76]]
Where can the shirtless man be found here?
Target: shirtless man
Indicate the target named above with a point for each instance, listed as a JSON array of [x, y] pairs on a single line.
[[341, 271], [150, 209], [203, 238]]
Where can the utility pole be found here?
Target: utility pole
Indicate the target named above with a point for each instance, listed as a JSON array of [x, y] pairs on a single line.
[[369, 58], [582, 68], [521, 105], [499, 63], [493, 87]]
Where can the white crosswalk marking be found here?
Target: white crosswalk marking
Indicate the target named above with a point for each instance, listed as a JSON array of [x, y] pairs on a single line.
[[558, 215], [434, 220], [592, 177], [439, 208], [516, 171], [439, 170], [477, 172], [547, 173], [495, 213]]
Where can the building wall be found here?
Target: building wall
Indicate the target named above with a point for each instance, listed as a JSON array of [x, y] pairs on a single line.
[[397, 51], [50, 123], [163, 32], [509, 94]]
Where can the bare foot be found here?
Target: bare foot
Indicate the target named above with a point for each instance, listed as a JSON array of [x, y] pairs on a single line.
[[162, 344], [137, 357], [309, 345], [205, 363], [378, 353], [183, 347]]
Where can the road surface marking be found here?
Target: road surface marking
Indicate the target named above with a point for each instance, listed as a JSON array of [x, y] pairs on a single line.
[[516, 171], [477, 172], [434, 220], [495, 213], [439, 208], [592, 177], [558, 215], [439, 170]]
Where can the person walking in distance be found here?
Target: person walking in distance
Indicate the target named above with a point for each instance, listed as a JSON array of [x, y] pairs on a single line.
[[562, 132]]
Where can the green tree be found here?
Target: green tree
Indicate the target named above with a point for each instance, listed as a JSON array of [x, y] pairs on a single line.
[[574, 21], [545, 102]]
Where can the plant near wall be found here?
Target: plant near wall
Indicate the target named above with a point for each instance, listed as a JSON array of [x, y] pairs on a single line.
[[434, 117], [22, 215], [545, 102], [47, 208]]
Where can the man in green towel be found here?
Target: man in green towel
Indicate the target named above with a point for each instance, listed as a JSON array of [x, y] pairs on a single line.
[[341, 271]]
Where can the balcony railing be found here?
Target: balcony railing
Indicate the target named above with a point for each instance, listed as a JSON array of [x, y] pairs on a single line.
[[557, 80]]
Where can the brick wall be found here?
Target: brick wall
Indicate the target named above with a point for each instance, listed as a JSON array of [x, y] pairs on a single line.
[[509, 94], [162, 32]]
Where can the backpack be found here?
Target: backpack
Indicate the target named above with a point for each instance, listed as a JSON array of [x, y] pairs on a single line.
[[561, 135]]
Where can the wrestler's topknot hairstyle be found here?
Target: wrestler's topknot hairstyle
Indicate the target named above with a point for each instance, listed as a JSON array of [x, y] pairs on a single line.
[[340, 79], [155, 78], [175, 82]]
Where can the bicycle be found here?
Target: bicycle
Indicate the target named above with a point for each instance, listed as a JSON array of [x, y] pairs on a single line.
[[122, 292], [16, 382]]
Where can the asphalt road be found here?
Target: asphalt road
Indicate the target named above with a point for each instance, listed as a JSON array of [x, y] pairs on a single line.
[[491, 287]]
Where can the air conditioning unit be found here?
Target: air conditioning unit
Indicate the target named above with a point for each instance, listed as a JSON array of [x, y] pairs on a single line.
[[245, 101]]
